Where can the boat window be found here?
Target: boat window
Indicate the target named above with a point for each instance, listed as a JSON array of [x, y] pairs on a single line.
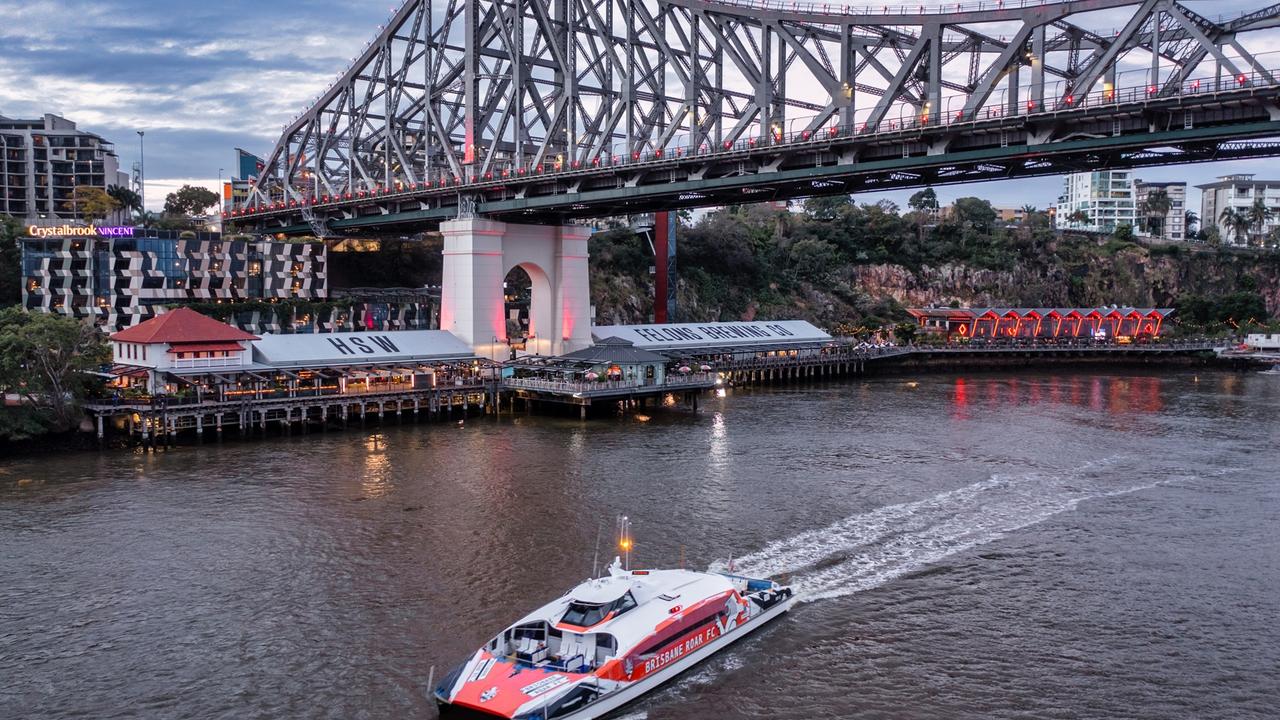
[[624, 603], [584, 614], [675, 634]]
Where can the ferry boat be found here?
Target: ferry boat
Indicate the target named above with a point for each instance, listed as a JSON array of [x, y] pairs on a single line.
[[607, 642]]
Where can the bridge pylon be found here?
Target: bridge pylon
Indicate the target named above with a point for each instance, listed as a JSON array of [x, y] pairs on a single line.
[[478, 254]]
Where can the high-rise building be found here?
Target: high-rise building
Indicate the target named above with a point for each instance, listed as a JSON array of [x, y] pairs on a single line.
[[1239, 192], [1172, 226], [43, 161], [121, 276], [1096, 201]]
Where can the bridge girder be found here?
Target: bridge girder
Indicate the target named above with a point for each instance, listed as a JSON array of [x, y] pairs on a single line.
[[458, 91]]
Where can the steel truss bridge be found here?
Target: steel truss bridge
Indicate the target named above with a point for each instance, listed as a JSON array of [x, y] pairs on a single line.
[[545, 110]]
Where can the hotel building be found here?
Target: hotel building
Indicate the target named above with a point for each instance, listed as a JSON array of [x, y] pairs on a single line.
[[43, 161], [122, 276]]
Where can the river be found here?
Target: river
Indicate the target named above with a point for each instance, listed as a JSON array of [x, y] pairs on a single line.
[[1038, 545]]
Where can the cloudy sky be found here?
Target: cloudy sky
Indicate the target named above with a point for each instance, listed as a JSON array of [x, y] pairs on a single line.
[[201, 78]]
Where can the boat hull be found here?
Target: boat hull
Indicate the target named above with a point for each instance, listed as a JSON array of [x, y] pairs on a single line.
[[634, 691]]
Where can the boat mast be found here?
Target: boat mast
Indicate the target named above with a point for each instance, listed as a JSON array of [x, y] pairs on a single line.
[[624, 540]]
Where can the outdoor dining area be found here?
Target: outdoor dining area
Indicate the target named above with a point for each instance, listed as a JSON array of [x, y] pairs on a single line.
[[611, 369]]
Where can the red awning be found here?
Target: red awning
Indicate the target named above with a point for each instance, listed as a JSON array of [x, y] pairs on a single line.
[[204, 347]]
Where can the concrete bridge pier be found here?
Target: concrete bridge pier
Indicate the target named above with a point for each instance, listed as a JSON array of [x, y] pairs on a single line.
[[479, 253]]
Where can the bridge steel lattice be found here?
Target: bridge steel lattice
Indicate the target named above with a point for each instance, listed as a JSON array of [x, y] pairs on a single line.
[[542, 110]]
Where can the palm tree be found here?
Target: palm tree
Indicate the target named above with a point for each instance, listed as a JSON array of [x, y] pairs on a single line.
[[1156, 206], [1237, 221], [1189, 220], [1258, 215], [1078, 217]]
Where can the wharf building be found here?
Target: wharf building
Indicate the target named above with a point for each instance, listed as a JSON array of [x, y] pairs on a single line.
[[184, 353], [1097, 202], [43, 161], [637, 364], [1238, 192], [185, 371], [122, 276], [1110, 324]]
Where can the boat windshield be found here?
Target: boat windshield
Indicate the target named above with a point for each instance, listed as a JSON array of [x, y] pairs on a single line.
[[585, 614], [588, 614]]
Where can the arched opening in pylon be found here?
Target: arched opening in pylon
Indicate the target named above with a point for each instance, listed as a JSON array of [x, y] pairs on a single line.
[[527, 310]]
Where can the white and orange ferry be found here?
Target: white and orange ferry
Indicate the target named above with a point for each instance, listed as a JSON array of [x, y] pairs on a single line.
[[607, 642]]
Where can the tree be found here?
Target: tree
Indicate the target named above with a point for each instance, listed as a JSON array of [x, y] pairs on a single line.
[[828, 207], [10, 261], [190, 201], [925, 200], [1078, 217], [1190, 219], [1258, 215], [1156, 207], [91, 203], [906, 332], [975, 213], [43, 359], [1237, 221], [813, 259], [1124, 232], [125, 198]]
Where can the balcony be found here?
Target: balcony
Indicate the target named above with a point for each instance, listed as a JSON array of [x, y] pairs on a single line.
[[202, 363]]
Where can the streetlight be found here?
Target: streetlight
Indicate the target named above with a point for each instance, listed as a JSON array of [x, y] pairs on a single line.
[[142, 169], [222, 197]]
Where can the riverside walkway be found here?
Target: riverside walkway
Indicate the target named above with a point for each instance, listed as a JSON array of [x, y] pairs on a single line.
[[158, 420], [844, 357]]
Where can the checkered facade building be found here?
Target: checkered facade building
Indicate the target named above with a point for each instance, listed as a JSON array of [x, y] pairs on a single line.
[[120, 282]]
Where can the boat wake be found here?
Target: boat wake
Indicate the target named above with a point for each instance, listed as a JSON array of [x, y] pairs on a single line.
[[870, 549]]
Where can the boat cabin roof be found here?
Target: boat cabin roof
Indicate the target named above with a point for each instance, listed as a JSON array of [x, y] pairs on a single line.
[[657, 594]]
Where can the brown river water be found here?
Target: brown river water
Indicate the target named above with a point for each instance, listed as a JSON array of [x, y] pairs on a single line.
[[967, 546]]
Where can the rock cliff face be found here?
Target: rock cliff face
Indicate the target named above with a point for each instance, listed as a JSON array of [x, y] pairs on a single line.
[[1128, 275]]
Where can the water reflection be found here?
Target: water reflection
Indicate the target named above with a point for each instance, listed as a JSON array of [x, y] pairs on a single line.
[[1114, 395]]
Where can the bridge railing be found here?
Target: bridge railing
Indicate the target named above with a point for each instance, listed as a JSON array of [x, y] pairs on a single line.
[[946, 8], [806, 131]]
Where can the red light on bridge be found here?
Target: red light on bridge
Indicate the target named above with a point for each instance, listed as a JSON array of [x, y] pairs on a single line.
[[1151, 89], [539, 168], [1031, 105], [804, 135], [1070, 99], [520, 171], [1242, 79], [1195, 86], [635, 156], [728, 144], [657, 153]]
